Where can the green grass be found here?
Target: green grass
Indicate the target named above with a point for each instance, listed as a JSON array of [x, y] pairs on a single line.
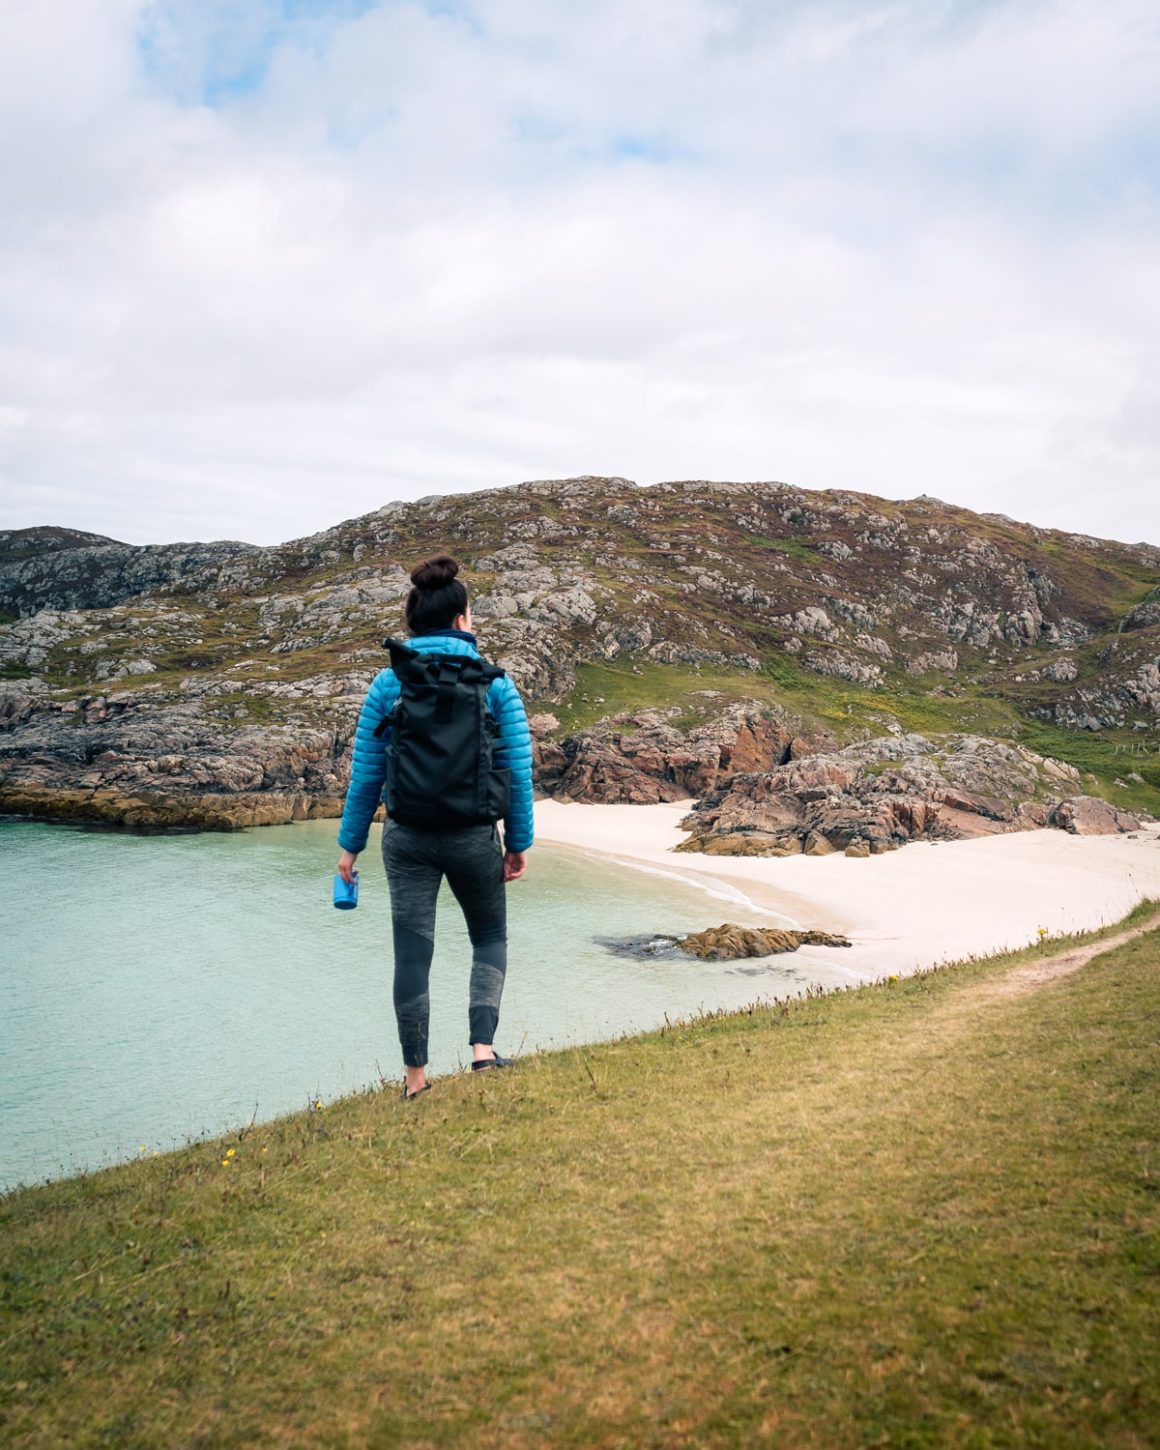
[[258, 708], [966, 708], [794, 547], [631, 683], [920, 1214], [1108, 756]]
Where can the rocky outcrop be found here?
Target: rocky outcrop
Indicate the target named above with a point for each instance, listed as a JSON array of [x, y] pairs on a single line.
[[1087, 815], [125, 758], [17, 545], [1145, 614], [728, 942], [1125, 694], [942, 661], [99, 573], [873, 797], [722, 943], [644, 758], [154, 810]]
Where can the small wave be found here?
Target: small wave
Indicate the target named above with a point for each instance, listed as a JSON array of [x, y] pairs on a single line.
[[720, 890]]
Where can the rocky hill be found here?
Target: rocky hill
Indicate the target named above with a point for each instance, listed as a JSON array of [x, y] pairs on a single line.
[[690, 638]]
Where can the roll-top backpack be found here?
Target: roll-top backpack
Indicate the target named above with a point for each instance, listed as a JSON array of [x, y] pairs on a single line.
[[441, 770]]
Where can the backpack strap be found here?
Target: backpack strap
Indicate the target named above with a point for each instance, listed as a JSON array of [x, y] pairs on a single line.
[[403, 660], [447, 678]]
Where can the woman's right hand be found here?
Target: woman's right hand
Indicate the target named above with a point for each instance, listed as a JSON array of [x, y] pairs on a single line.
[[346, 866]]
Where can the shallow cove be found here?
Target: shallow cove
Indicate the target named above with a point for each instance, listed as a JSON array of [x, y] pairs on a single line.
[[158, 988]]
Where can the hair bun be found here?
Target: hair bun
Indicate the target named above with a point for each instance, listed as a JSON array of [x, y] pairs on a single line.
[[434, 573]]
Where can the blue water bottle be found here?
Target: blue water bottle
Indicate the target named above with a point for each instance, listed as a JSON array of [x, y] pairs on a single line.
[[346, 893]]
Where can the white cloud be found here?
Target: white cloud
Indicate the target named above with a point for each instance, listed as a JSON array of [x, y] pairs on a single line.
[[253, 280]]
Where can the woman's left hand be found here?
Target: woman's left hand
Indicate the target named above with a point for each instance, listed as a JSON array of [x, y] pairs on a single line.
[[515, 863], [346, 866]]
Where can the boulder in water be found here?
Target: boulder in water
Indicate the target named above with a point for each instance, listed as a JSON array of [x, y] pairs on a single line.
[[723, 943]]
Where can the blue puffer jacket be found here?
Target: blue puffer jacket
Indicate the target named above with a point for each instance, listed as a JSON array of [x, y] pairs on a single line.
[[369, 761]]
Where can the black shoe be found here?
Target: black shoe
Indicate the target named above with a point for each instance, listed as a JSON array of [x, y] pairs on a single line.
[[489, 1062], [406, 1096]]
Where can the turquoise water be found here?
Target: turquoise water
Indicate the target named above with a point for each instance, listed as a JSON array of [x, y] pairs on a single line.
[[160, 988]]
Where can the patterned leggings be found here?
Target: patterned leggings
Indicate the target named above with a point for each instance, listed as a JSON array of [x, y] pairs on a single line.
[[416, 863]]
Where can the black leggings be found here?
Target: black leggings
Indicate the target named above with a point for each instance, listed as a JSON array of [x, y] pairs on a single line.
[[416, 862]]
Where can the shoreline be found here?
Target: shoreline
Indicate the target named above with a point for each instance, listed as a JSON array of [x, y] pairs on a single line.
[[920, 906], [161, 811], [924, 904]]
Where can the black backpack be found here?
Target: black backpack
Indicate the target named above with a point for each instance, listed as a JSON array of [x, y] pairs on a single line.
[[441, 770]]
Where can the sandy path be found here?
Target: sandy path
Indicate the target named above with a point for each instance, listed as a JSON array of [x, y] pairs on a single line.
[[1021, 980]]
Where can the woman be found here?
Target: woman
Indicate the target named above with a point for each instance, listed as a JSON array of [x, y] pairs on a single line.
[[477, 867]]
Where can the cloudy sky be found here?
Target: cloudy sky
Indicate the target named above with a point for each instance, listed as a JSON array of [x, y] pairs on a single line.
[[267, 264]]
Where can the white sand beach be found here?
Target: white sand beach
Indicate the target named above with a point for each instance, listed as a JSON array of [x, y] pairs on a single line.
[[905, 910]]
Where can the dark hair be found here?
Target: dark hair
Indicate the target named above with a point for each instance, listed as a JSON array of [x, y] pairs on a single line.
[[437, 597]]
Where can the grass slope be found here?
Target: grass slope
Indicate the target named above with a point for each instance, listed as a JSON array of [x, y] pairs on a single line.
[[917, 1214]]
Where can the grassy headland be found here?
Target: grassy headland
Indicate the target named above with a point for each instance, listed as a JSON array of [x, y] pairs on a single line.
[[923, 1213]]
